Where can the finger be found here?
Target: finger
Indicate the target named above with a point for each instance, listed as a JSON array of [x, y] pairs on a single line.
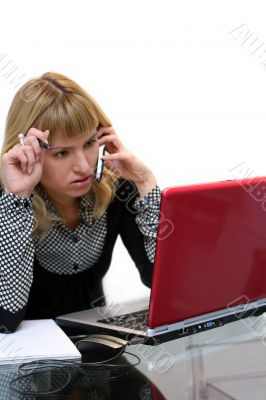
[[38, 133], [33, 142], [109, 164], [112, 139], [28, 151], [105, 129], [121, 156], [27, 154], [17, 156], [109, 132]]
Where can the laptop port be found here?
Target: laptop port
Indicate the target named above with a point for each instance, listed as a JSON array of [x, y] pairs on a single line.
[[183, 331], [210, 324]]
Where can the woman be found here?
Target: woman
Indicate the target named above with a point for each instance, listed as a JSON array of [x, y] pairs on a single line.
[[58, 224]]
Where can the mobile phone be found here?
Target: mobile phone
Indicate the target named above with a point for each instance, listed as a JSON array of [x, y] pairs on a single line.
[[100, 164]]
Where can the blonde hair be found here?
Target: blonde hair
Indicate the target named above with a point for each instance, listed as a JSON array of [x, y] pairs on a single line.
[[59, 104]]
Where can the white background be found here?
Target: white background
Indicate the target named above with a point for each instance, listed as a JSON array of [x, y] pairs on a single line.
[[181, 82]]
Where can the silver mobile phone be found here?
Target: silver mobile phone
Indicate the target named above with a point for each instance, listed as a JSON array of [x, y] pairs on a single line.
[[100, 164]]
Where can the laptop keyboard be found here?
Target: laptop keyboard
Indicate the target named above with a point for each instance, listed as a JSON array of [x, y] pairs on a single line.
[[136, 320]]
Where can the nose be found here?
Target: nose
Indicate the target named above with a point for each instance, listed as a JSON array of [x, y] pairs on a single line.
[[82, 164]]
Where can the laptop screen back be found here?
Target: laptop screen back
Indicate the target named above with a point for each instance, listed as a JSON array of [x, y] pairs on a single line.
[[211, 249]]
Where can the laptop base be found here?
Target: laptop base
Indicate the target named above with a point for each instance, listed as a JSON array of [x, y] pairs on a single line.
[[132, 338]]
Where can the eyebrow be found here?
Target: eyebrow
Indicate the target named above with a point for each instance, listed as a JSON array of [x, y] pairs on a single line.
[[71, 147]]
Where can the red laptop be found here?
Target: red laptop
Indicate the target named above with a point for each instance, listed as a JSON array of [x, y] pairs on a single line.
[[210, 264]]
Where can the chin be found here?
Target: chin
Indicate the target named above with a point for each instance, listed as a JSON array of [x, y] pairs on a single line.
[[79, 192]]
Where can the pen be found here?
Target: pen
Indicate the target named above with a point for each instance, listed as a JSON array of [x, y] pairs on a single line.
[[43, 144]]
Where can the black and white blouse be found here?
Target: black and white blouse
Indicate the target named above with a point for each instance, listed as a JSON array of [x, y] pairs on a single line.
[[83, 253]]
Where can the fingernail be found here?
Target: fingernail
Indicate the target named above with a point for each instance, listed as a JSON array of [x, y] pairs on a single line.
[[30, 170]]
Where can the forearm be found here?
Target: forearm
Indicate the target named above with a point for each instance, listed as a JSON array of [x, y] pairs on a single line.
[[147, 219], [16, 256]]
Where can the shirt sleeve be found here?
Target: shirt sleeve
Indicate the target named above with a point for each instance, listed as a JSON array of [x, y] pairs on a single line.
[[147, 219], [16, 258]]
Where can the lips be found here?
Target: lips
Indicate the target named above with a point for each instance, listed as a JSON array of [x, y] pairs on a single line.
[[81, 179]]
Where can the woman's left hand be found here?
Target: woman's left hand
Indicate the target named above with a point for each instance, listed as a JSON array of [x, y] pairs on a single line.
[[125, 164]]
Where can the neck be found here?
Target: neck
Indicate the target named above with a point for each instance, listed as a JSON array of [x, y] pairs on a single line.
[[63, 204]]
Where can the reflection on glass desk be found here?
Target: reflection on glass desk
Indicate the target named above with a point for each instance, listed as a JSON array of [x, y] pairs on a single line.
[[224, 363], [220, 364], [51, 379]]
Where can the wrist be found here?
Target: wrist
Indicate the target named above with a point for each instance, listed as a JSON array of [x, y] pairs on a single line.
[[146, 185], [24, 195]]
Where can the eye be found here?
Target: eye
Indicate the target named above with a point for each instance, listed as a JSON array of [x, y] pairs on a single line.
[[60, 154], [90, 143]]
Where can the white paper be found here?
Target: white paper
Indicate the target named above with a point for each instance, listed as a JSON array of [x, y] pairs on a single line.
[[37, 339]]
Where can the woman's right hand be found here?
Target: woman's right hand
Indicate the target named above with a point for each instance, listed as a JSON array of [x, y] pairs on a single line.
[[23, 164]]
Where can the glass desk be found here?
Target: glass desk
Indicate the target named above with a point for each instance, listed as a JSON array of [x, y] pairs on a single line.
[[224, 363], [220, 364], [51, 379]]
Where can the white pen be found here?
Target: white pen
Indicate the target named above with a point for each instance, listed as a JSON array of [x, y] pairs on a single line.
[[21, 138], [43, 144]]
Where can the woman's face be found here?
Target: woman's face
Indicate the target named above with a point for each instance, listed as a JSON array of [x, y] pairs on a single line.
[[68, 169]]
